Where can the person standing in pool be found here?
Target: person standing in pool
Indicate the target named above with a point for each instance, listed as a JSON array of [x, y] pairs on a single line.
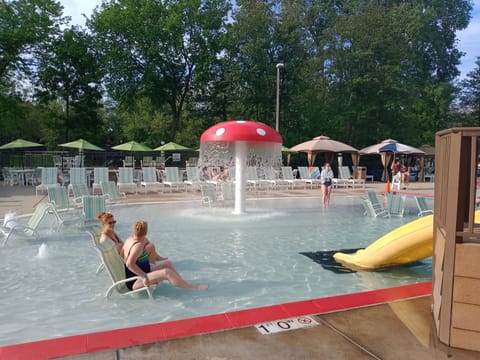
[[137, 263], [108, 232], [326, 177]]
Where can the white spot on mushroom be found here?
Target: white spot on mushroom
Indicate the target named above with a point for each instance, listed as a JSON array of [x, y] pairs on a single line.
[[220, 132], [261, 132], [241, 122]]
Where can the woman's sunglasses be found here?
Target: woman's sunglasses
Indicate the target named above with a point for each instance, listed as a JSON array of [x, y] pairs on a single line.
[[112, 222]]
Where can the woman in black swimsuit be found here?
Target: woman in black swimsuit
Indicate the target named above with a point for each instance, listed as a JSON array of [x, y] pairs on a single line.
[[136, 263]]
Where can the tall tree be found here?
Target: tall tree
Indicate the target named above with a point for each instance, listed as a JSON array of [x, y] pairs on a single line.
[[69, 72], [470, 96], [155, 48], [387, 67], [26, 28]]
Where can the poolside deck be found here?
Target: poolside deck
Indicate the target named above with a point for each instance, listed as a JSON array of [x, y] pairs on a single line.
[[384, 324]]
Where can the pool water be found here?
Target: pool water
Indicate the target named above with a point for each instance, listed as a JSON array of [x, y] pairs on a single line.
[[249, 260]]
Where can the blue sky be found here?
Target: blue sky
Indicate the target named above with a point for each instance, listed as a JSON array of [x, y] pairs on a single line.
[[468, 39]]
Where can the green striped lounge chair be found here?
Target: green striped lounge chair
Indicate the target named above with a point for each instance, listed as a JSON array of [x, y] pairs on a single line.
[[92, 206], [373, 198], [100, 174], [147, 161], [77, 176], [129, 161], [79, 191], [95, 237], [60, 206], [193, 177], [47, 179], [125, 180], [172, 178], [396, 204], [422, 206], [371, 211], [112, 195], [58, 198], [306, 175], [272, 178], [287, 174], [12, 227], [254, 180], [209, 194], [116, 270], [149, 179]]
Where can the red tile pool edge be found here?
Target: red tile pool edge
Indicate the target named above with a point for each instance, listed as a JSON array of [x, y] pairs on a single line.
[[113, 339]]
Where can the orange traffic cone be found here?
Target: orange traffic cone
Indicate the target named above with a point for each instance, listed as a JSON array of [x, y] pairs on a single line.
[[387, 186]]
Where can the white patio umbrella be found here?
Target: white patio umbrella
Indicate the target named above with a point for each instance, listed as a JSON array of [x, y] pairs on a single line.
[[323, 144]]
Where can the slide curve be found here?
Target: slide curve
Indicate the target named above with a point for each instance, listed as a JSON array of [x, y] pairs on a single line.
[[405, 244]]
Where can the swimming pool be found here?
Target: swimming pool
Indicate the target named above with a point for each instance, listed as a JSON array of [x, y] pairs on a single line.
[[250, 261]]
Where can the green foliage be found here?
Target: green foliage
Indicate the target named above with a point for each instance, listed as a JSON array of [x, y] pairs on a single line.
[[470, 97], [26, 27], [158, 49], [69, 72], [357, 71]]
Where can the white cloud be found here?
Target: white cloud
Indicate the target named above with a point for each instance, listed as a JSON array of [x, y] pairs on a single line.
[[75, 9]]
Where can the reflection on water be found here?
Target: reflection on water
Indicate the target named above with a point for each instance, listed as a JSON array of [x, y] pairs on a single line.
[[250, 260]]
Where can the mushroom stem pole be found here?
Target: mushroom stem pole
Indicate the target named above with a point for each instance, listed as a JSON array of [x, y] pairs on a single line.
[[240, 176]]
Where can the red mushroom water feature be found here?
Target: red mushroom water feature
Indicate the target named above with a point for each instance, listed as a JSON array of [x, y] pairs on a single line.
[[247, 143]]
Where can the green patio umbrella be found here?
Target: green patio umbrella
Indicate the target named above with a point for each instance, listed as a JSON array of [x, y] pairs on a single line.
[[19, 144], [132, 146], [81, 145], [172, 146]]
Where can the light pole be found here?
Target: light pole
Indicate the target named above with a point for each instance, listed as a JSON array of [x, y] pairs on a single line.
[[277, 110]]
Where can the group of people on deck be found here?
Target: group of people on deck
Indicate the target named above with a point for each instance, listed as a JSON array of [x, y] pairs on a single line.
[[141, 258]]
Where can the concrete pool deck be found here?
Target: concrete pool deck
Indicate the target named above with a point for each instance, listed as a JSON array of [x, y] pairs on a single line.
[[386, 324]]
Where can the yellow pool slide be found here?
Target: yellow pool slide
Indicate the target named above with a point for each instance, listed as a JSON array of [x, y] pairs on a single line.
[[407, 243]]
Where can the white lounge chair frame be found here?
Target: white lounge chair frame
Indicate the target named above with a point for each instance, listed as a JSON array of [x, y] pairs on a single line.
[[100, 174], [423, 208], [172, 179], [112, 195], [77, 176], [116, 271], [125, 180], [149, 180], [47, 179], [12, 227]]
